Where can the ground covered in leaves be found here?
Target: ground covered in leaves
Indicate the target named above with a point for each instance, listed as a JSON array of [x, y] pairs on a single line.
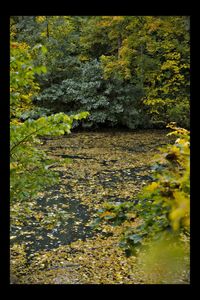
[[56, 244]]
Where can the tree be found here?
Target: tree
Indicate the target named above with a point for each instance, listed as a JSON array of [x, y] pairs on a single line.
[[89, 91], [151, 53], [167, 89], [29, 166]]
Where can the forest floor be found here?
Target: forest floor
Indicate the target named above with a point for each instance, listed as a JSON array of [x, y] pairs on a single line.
[[103, 167]]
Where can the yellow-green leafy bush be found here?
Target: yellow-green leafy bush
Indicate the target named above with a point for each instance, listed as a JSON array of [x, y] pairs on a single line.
[[162, 206]]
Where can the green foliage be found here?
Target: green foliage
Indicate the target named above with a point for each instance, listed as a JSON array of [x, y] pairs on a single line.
[[90, 92], [29, 171], [22, 83], [29, 165], [152, 52], [180, 113], [114, 213], [167, 87], [142, 64], [171, 190], [59, 36], [34, 113]]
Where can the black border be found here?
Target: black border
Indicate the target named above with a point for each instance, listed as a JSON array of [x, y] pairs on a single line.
[[4, 138], [122, 9]]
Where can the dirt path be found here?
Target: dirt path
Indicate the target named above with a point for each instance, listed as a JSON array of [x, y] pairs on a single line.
[[105, 167]]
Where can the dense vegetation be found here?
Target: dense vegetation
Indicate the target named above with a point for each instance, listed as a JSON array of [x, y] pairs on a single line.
[[103, 71], [124, 70], [29, 166]]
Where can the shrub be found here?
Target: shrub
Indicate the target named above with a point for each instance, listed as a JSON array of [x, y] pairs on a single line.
[[164, 205], [110, 101]]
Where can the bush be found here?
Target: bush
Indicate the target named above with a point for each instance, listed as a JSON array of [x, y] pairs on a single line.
[[180, 113], [111, 101], [164, 205]]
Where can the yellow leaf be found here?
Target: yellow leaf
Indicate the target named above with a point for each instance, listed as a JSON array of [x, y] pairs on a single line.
[[152, 187]]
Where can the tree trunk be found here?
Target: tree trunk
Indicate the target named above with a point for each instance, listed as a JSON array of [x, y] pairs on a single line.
[[47, 27], [119, 45]]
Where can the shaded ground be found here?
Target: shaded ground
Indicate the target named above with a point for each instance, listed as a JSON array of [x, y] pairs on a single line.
[[104, 167]]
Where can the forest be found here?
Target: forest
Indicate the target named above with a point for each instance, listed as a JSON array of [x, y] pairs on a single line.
[[100, 150]]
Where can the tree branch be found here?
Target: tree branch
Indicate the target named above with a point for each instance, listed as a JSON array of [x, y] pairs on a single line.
[[25, 138]]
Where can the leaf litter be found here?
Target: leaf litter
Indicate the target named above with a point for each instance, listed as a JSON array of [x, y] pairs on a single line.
[[56, 245]]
